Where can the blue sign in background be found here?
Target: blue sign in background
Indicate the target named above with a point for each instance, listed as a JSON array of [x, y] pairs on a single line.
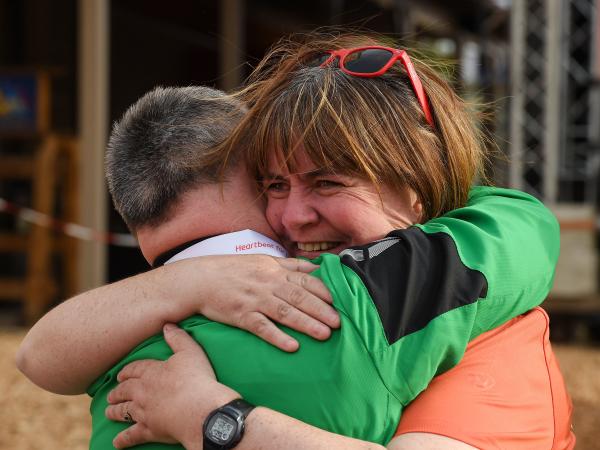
[[18, 102]]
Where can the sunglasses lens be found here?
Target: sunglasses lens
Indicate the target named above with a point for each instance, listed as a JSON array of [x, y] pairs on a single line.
[[367, 61]]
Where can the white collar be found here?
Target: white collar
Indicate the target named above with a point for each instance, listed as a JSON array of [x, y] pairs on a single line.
[[245, 242]]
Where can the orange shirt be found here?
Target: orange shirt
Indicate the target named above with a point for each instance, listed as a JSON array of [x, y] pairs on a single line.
[[506, 393]]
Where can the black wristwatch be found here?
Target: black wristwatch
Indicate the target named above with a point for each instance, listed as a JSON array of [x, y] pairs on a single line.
[[224, 427]]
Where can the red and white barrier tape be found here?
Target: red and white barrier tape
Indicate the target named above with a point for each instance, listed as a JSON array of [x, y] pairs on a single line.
[[70, 229]]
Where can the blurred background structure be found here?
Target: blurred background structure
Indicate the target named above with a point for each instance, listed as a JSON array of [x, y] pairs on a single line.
[[69, 68]]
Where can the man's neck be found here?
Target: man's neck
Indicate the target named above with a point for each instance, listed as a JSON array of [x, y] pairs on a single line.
[[245, 242], [203, 212]]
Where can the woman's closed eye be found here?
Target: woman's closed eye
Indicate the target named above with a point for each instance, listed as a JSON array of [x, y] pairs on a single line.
[[328, 184], [275, 187]]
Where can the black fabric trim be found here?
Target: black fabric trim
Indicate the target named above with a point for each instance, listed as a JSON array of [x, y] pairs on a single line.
[[165, 256], [414, 277]]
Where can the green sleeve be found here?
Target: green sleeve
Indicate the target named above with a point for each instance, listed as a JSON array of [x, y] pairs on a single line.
[[513, 240], [438, 285]]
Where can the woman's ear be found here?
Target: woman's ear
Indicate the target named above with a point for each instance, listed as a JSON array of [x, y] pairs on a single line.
[[402, 207], [417, 206]]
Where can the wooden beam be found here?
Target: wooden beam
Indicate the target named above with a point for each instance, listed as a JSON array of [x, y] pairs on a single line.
[[11, 243], [12, 289], [94, 38], [232, 44], [16, 167]]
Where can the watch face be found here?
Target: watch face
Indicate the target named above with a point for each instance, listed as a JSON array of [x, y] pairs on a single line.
[[221, 428]]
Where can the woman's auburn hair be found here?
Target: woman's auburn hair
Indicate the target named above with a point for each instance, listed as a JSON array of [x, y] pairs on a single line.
[[373, 128]]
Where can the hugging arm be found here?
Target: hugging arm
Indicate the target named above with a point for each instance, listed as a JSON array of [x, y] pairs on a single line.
[[74, 343], [464, 273], [84, 336], [452, 245], [519, 217], [153, 384]]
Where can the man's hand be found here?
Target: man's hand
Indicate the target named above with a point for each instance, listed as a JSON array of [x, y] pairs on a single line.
[[253, 291], [168, 400]]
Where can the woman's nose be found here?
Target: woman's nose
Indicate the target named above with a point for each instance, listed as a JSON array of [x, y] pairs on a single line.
[[298, 212]]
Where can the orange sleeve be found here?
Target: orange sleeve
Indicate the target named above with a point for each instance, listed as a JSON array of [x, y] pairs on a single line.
[[506, 393]]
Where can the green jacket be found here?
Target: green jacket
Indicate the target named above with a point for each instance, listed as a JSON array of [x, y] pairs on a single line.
[[409, 304]]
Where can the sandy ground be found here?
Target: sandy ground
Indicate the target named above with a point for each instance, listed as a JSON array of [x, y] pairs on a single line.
[[31, 419], [581, 368]]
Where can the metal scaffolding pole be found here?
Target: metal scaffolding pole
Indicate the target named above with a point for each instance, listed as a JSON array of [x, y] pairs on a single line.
[[517, 27], [553, 107], [595, 95], [552, 132]]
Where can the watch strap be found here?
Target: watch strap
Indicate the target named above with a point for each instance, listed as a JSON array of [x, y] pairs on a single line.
[[238, 407]]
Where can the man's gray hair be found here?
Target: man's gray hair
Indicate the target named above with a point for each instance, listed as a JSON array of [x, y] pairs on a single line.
[[163, 146]]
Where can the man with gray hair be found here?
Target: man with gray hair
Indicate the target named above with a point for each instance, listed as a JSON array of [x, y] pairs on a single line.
[[163, 147]]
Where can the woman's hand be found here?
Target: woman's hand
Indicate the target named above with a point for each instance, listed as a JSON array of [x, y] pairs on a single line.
[[168, 400], [81, 338], [254, 291]]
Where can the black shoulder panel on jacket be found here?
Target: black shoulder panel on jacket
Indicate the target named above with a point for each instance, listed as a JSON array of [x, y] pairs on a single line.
[[413, 277]]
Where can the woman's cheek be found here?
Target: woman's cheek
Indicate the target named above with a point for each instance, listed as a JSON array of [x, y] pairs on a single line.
[[273, 215]]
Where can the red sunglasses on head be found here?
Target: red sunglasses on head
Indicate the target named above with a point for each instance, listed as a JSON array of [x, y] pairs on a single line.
[[374, 61]]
